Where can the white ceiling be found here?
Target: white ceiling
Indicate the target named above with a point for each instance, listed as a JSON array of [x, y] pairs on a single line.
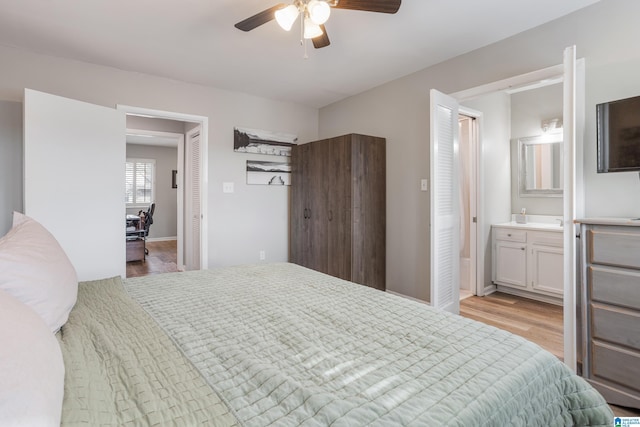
[[195, 40]]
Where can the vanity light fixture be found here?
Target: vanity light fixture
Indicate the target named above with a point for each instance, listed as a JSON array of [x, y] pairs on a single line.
[[551, 125]]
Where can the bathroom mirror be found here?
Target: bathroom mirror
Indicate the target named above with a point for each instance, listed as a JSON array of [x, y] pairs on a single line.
[[540, 165]]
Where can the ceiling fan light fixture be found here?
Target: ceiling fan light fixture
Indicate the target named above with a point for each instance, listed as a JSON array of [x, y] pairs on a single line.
[[311, 30], [287, 16], [319, 11]]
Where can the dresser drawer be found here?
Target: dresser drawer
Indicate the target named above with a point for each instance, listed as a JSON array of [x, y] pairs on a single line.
[[510, 235], [615, 325], [614, 286], [614, 248], [615, 364]]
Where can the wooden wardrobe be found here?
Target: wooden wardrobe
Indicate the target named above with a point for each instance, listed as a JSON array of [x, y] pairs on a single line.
[[338, 204]]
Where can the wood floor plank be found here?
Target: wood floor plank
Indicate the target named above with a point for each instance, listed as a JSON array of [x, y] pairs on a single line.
[[536, 321], [162, 258]]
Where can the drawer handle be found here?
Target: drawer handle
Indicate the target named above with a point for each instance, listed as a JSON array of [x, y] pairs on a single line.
[[522, 249], [509, 234]]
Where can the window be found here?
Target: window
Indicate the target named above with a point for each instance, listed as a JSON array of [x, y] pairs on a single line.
[[140, 177]]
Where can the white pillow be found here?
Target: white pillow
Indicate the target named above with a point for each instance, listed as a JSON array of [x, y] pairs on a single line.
[[31, 368], [36, 271]]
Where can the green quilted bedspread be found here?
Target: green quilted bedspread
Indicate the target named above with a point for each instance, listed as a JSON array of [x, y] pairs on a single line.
[[283, 345], [123, 370]]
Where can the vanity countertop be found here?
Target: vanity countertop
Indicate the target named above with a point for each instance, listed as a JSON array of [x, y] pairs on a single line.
[[540, 226]]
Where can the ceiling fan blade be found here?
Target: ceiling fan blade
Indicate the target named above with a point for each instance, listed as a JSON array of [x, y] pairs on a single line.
[[382, 6], [259, 18], [322, 40]]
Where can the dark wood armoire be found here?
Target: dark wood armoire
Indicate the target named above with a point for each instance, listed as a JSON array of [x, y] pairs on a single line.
[[338, 206]]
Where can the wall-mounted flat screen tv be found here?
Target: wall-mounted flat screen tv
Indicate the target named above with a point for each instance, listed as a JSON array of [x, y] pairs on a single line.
[[618, 135]]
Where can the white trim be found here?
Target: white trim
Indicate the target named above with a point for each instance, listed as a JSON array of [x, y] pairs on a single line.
[[572, 163], [480, 243], [571, 117], [180, 214], [179, 137], [537, 78], [204, 136], [407, 297], [161, 239]]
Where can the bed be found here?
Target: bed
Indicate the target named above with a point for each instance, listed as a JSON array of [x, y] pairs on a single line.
[[278, 344], [257, 345]]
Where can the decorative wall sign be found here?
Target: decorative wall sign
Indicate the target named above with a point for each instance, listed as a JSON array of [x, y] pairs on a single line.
[[258, 141], [268, 173]]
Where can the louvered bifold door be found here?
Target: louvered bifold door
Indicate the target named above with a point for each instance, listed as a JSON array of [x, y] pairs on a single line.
[[445, 215], [193, 195]]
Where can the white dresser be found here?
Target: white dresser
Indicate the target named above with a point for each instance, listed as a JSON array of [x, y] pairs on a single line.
[[609, 308], [528, 260]]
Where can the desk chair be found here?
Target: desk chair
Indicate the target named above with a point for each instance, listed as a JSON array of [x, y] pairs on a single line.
[[148, 220]]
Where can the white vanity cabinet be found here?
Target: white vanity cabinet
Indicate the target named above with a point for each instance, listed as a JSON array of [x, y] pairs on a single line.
[[510, 257], [528, 260]]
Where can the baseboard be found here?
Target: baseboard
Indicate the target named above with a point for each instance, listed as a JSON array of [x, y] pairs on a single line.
[[489, 289], [161, 239], [407, 296], [530, 295]]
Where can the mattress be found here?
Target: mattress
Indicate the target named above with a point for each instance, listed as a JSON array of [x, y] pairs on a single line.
[[280, 344]]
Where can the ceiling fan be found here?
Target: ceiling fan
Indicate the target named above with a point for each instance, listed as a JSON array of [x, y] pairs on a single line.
[[313, 14]]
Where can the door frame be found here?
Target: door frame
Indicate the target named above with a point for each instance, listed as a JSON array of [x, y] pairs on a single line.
[[203, 121], [476, 242], [180, 144], [572, 166]]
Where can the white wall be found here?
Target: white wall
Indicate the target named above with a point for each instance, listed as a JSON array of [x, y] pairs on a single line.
[[605, 34], [528, 110], [240, 224], [10, 162], [610, 194], [495, 206]]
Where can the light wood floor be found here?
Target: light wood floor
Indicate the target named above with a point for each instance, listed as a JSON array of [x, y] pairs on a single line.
[[162, 258], [536, 321]]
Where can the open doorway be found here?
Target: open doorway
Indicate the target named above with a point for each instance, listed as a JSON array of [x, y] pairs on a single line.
[[495, 204], [523, 266], [174, 144], [468, 158], [153, 202], [512, 115]]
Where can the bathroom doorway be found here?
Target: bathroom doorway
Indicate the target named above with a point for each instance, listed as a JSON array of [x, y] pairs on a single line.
[[468, 143]]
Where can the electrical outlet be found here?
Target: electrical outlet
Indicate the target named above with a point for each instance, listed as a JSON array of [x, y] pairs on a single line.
[[227, 187], [263, 255], [424, 184]]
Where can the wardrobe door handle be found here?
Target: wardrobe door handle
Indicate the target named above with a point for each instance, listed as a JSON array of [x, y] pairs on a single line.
[[306, 213], [330, 215]]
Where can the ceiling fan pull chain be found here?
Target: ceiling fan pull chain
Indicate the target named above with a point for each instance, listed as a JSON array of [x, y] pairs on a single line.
[[303, 42], [301, 28]]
